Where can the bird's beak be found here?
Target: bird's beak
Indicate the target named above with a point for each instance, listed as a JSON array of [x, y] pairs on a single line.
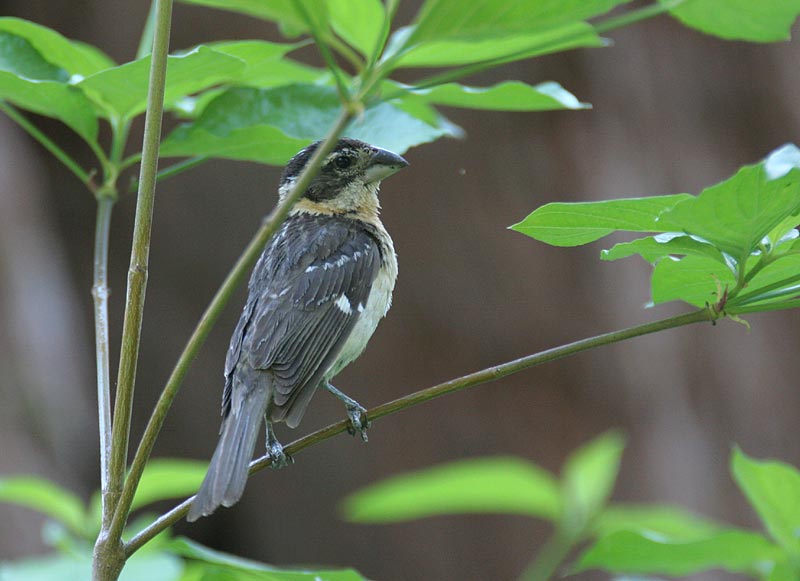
[[383, 163]]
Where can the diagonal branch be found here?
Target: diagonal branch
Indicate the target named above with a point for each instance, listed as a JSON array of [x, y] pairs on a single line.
[[473, 379]]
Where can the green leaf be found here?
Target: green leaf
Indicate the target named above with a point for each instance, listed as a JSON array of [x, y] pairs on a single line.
[[281, 11], [506, 96], [509, 48], [483, 485], [447, 19], [773, 488], [18, 56], [631, 552], [738, 213], [143, 565], [264, 65], [72, 56], [168, 478], [761, 21], [776, 281], [671, 522], [259, 143], [588, 479], [45, 497], [561, 224], [284, 12], [35, 84], [655, 248], [122, 91], [270, 125], [696, 280], [358, 22], [782, 571], [232, 564]]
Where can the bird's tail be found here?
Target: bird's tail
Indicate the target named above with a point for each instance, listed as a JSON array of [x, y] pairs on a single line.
[[227, 473]]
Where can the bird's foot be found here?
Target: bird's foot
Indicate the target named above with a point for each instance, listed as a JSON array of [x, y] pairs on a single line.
[[357, 413], [279, 458]]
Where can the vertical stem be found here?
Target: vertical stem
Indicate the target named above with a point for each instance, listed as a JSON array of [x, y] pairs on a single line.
[[109, 556], [100, 294], [553, 553]]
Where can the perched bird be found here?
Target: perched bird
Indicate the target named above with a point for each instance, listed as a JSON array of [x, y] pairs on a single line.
[[315, 298]]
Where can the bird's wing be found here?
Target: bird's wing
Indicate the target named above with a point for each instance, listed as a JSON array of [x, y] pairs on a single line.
[[306, 294]]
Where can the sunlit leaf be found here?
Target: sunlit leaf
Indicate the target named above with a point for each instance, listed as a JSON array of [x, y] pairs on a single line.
[[696, 280], [506, 96], [482, 485], [509, 48], [761, 21], [72, 56], [563, 224], [122, 90], [264, 65], [448, 19], [45, 497], [737, 214], [31, 82], [651, 553], [655, 248], [168, 478], [270, 125], [773, 488], [588, 478], [671, 522], [148, 565], [230, 566], [358, 22]]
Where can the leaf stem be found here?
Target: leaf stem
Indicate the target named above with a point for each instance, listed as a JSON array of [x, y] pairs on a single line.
[[635, 16], [174, 170], [325, 51], [62, 156], [215, 308], [390, 9], [137, 278], [473, 379]]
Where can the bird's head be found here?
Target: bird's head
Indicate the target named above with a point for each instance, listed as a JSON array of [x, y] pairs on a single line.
[[348, 179]]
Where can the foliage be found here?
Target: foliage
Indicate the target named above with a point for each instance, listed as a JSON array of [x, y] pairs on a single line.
[[71, 529], [623, 539], [733, 245]]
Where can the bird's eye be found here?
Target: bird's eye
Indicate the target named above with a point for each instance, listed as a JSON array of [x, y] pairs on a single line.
[[343, 161]]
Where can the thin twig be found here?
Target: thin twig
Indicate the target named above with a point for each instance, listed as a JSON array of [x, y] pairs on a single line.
[[100, 293], [62, 156], [473, 379]]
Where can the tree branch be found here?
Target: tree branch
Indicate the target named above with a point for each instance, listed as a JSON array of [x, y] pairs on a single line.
[[473, 379]]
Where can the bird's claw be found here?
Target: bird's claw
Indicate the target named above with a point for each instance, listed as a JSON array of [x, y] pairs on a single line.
[[359, 422], [278, 458]]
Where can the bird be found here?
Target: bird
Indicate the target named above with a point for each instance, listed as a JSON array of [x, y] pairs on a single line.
[[315, 297]]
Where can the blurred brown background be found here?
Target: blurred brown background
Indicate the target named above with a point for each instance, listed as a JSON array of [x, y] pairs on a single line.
[[673, 111]]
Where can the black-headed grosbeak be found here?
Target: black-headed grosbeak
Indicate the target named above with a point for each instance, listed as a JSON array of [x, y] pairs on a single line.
[[315, 298]]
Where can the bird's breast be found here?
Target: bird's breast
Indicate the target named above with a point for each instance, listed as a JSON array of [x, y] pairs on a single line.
[[378, 303]]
